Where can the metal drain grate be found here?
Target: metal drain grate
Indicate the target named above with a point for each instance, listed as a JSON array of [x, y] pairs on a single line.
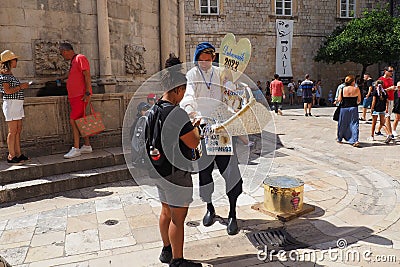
[[111, 222], [274, 239]]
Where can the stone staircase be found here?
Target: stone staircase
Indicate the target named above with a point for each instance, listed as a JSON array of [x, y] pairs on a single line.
[[53, 174]]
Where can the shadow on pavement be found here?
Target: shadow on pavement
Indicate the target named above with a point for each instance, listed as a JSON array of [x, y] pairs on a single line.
[[312, 234]]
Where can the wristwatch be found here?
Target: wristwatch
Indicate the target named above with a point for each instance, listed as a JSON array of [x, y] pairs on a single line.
[[87, 93]]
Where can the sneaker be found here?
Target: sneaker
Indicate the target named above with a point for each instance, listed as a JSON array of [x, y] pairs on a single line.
[[388, 139], [361, 119], [166, 254], [395, 134], [378, 133], [86, 149], [280, 112], [184, 263], [371, 139], [74, 152]]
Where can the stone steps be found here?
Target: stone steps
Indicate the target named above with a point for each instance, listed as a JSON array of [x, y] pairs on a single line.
[[53, 174]]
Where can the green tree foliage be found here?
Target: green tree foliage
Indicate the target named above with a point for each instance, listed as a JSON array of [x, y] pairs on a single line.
[[370, 39]]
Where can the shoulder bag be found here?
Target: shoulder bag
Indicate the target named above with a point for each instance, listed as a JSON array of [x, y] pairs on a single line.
[[91, 124]]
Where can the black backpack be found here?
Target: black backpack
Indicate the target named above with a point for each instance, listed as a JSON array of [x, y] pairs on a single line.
[[147, 152]]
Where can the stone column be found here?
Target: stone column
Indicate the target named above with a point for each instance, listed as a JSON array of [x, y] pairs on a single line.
[[165, 31], [106, 80], [182, 48]]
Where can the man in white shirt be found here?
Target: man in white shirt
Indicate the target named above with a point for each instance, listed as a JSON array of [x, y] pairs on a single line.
[[203, 95]]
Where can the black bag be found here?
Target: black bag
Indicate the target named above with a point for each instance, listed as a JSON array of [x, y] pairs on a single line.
[[337, 113], [146, 140]]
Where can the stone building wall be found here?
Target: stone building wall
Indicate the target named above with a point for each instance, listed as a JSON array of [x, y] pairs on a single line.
[[255, 19], [33, 29]]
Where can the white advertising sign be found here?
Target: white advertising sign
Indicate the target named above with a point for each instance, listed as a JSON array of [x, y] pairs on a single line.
[[284, 36]]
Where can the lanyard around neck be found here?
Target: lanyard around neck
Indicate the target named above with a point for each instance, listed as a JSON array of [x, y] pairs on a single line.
[[204, 79]]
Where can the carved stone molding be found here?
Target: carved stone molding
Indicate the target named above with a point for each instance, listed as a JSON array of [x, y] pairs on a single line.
[[48, 60], [134, 61]]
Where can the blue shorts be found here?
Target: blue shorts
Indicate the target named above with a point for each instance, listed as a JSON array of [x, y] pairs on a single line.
[[376, 113], [367, 102]]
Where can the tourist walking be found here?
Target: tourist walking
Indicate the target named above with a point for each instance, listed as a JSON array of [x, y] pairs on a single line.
[[378, 107], [292, 91], [13, 105], [277, 94], [388, 85], [79, 87], [348, 125], [299, 93], [367, 93], [307, 88], [318, 92]]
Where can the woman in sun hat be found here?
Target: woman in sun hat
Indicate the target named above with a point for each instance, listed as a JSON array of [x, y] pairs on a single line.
[[13, 105]]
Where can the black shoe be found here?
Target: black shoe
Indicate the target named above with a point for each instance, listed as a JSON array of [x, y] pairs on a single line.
[[306, 115], [232, 227], [166, 254], [23, 158], [13, 160], [208, 218], [309, 114], [184, 263]]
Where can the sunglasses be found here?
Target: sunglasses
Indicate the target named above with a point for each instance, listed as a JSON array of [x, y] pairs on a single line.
[[389, 70]]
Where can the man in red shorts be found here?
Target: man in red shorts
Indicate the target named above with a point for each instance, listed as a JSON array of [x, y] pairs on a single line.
[[79, 87]]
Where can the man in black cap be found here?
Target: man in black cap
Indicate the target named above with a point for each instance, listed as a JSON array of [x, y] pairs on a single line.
[[203, 95]]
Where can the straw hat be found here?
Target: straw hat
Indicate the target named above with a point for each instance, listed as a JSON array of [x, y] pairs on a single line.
[[7, 55]]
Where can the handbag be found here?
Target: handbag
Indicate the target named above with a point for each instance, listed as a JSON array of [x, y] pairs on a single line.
[[91, 124], [337, 113]]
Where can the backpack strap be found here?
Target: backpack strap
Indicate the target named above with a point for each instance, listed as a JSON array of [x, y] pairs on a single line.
[[156, 123]]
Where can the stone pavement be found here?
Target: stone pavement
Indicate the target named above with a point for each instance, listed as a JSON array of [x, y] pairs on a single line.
[[356, 193]]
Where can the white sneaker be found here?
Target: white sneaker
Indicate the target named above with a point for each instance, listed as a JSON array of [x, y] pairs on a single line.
[[86, 149], [74, 152], [395, 134], [371, 139]]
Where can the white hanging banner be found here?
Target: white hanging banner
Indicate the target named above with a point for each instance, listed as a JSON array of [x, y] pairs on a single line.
[[284, 36]]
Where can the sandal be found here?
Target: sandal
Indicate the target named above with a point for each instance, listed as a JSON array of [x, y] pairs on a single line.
[[356, 144], [13, 160]]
